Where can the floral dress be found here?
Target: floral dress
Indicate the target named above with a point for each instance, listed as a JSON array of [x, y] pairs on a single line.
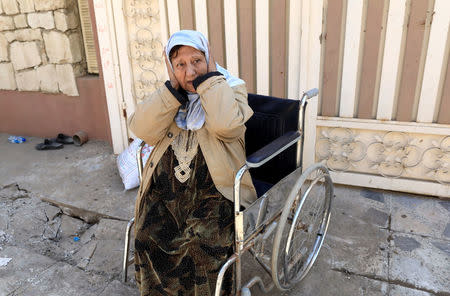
[[185, 227]]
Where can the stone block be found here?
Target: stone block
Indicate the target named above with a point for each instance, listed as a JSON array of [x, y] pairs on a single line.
[[6, 23], [47, 78], [27, 80], [25, 55], [7, 79], [57, 46], [26, 6], [4, 57], [23, 35], [41, 20], [75, 47], [62, 48], [65, 20], [20, 21], [1, 8], [10, 6], [44, 5], [66, 80]]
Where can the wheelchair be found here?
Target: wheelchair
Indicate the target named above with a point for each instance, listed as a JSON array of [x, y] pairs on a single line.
[[284, 229]]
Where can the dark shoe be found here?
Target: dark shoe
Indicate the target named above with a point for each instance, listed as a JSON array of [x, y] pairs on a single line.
[[49, 145], [63, 139]]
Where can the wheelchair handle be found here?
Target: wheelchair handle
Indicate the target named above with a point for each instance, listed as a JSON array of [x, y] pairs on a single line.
[[306, 96], [311, 93]]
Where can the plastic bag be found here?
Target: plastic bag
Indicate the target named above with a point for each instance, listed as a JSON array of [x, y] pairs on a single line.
[[127, 163]]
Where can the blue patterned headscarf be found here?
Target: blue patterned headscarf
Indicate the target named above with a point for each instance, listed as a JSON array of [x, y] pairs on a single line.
[[192, 116]]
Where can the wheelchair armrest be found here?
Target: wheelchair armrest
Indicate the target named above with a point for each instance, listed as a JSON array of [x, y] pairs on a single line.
[[272, 149]]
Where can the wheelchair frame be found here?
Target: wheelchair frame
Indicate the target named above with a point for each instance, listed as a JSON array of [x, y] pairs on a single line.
[[291, 211]]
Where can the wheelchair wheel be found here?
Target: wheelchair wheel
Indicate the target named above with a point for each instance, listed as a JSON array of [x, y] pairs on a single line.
[[302, 227]]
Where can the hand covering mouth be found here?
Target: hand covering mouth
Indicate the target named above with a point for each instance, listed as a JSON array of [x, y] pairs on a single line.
[[192, 117]]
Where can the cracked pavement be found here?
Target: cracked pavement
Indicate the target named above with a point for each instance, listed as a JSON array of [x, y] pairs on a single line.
[[63, 216]]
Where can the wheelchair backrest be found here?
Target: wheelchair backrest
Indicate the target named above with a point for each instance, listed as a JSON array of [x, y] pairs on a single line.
[[271, 119]]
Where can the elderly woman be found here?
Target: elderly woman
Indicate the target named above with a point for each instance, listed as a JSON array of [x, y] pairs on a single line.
[[184, 210]]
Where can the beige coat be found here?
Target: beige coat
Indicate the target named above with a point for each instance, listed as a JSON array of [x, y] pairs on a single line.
[[221, 139]]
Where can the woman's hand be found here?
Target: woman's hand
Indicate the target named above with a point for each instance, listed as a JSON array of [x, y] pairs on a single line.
[[211, 62], [173, 80]]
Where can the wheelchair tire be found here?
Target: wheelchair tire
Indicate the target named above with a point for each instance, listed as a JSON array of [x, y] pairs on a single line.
[[302, 227]]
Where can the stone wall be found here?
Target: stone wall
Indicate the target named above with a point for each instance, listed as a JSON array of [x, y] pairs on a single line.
[[41, 46]]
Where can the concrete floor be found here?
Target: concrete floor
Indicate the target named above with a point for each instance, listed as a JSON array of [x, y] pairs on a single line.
[[63, 214]]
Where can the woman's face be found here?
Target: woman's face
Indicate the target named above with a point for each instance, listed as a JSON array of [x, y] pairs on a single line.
[[188, 64]]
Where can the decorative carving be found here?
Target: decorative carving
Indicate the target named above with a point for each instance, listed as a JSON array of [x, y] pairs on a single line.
[[392, 154], [145, 46], [340, 149], [437, 160]]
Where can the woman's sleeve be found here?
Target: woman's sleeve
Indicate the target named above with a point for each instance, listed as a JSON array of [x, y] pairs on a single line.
[[226, 108], [154, 115]]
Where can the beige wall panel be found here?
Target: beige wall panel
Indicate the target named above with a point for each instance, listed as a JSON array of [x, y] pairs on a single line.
[[246, 41], [262, 50], [444, 109], [330, 99], [294, 44], [367, 102], [411, 63], [201, 16], [352, 56], [173, 16], [393, 45], [216, 33], [187, 18], [278, 34], [231, 37]]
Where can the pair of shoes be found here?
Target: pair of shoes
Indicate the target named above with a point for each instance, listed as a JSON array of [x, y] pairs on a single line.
[[55, 143], [49, 145]]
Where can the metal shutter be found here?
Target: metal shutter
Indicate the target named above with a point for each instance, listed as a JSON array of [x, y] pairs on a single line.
[[88, 36]]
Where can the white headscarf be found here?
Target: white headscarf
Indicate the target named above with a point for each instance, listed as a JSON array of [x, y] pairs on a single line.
[[192, 116]]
